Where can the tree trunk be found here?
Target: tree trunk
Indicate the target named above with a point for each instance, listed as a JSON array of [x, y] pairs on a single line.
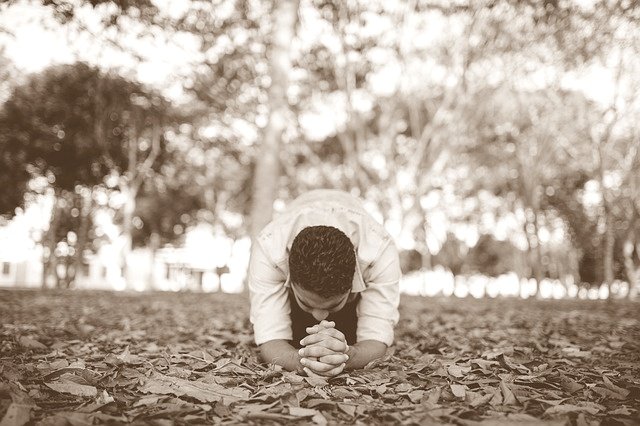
[[630, 267], [267, 171], [49, 241], [609, 240], [83, 231], [538, 271], [533, 251], [154, 245], [127, 227]]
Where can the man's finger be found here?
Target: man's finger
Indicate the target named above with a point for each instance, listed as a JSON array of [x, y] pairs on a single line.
[[324, 324], [313, 330], [327, 341], [334, 359], [315, 351], [311, 373], [327, 324], [333, 332], [317, 366], [333, 372]]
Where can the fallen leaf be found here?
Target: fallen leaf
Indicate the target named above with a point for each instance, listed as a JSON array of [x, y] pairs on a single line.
[[148, 400], [319, 419], [416, 396], [617, 389], [302, 412], [434, 395], [569, 408], [458, 390], [481, 400], [347, 408], [622, 411], [343, 393], [74, 389], [455, 371], [404, 387], [29, 343], [608, 393], [316, 381], [127, 358], [59, 363], [72, 418], [497, 398], [508, 397], [17, 415], [203, 392]]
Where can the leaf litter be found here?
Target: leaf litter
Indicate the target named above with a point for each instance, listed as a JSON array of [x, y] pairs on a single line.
[[90, 357]]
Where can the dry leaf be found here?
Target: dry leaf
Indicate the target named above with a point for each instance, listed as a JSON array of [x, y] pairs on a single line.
[[569, 408], [347, 408], [458, 390], [434, 395], [455, 371], [617, 389], [203, 392], [29, 343], [17, 415], [319, 419], [508, 397], [416, 396], [74, 389], [302, 412], [404, 387], [316, 381], [481, 400]]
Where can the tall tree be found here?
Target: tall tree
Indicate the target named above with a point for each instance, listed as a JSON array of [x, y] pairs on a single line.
[[75, 125], [267, 168]]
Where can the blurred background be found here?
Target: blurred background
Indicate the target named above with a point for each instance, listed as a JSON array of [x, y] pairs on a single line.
[[143, 142]]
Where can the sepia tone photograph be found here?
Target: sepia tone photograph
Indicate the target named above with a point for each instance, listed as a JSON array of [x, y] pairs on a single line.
[[320, 212]]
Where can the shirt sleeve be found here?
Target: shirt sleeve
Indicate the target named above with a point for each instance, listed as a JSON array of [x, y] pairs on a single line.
[[270, 312], [378, 306]]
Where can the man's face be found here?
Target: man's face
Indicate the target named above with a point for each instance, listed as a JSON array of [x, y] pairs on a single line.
[[318, 306]]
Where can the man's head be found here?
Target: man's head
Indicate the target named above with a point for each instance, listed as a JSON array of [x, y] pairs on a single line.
[[322, 262]]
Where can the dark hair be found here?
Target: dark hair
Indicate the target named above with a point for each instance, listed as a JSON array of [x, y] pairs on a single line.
[[322, 260]]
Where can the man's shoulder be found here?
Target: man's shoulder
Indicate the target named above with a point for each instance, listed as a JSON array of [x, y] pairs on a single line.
[[325, 207]]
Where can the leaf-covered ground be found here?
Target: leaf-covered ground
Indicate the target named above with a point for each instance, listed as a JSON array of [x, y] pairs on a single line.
[[77, 358]]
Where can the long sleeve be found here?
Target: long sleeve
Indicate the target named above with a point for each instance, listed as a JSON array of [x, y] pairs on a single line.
[[378, 307], [270, 310]]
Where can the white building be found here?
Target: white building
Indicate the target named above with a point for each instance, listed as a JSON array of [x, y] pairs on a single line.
[[207, 262]]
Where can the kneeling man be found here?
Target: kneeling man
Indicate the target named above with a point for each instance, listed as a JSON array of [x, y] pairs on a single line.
[[324, 285]]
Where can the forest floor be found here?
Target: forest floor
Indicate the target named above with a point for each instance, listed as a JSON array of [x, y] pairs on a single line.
[[89, 357]]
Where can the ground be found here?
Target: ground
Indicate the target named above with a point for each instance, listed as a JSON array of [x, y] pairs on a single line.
[[181, 358]]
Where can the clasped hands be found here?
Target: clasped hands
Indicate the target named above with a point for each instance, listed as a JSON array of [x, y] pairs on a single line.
[[324, 351]]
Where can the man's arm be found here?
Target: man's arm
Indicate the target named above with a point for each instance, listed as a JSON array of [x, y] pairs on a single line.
[[270, 311], [362, 353], [280, 352], [378, 306]]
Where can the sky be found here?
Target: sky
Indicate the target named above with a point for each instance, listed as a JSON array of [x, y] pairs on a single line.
[[39, 41]]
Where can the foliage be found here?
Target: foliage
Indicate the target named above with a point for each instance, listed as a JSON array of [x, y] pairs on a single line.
[[72, 124], [492, 257], [103, 358]]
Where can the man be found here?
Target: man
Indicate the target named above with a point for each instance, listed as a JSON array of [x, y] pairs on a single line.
[[323, 279]]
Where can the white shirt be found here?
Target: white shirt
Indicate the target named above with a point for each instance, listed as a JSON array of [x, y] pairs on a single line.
[[376, 277]]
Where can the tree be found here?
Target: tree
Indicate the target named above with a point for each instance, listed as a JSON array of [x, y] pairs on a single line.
[[267, 169], [75, 126]]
